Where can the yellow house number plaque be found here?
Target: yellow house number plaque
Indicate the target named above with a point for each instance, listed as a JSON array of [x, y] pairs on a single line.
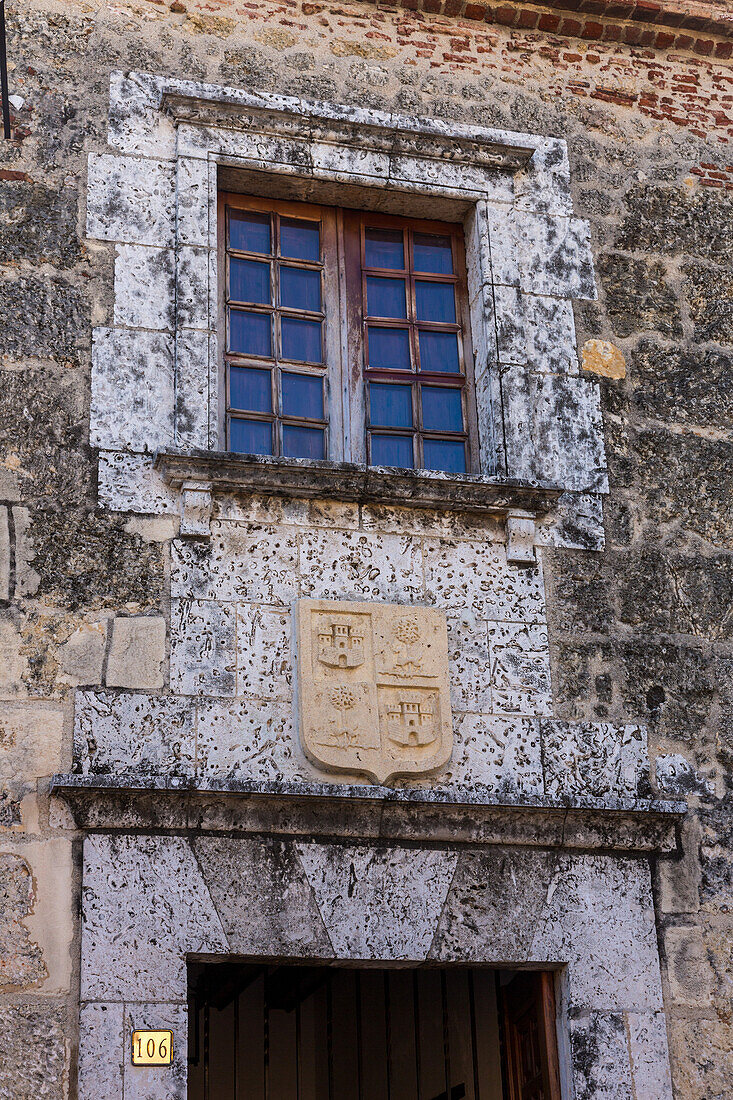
[[152, 1048]]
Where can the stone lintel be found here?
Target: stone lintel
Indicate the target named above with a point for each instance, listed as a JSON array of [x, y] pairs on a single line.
[[372, 813], [376, 130], [294, 477]]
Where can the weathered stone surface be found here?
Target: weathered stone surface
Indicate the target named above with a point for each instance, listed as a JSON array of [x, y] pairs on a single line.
[[81, 657], [378, 903], [475, 577], [120, 733], [38, 223], [504, 754], [138, 919], [136, 652], [203, 648], [603, 358], [702, 1059], [649, 1056], [673, 220], [638, 296], [251, 739], [595, 761], [689, 973], [285, 920], [101, 1051], [709, 292], [264, 652], [144, 287], [132, 390], [685, 386], [520, 668], [46, 314], [601, 1069], [129, 200], [128, 483], [142, 1082], [360, 566], [34, 1056], [257, 564], [36, 920]]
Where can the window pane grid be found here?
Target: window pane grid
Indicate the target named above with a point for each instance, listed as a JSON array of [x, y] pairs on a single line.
[[275, 326], [431, 322]]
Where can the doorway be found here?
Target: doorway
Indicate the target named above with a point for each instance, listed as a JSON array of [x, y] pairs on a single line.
[[292, 1032]]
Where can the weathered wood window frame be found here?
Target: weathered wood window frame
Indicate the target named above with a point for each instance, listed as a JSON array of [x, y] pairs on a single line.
[[346, 424]]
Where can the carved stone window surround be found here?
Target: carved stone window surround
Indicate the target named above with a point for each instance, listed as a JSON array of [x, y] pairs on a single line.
[[527, 257]]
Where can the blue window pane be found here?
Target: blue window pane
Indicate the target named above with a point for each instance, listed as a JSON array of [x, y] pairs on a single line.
[[250, 437], [435, 301], [300, 288], [444, 454], [301, 340], [250, 390], [389, 348], [392, 450], [439, 352], [250, 333], [249, 232], [300, 240], [432, 254], [442, 409], [386, 297], [303, 442], [249, 281], [384, 248], [390, 406], [302, 396]]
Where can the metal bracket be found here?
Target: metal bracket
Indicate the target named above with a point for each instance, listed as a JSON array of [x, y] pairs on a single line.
[[196, 502], [520, 531]]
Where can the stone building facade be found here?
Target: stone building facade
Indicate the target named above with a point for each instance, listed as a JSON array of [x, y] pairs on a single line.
[[277, 710]]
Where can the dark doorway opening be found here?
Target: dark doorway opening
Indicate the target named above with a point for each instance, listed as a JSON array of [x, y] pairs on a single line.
[[292, 1032]]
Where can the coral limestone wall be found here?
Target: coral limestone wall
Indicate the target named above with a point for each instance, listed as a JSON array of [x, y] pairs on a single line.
[[639, 634]]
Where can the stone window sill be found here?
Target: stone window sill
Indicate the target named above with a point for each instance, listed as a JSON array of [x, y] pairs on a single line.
[[221, 471]]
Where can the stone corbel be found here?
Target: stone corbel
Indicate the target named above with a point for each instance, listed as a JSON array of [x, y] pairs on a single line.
[[196, 502], [520, 531]]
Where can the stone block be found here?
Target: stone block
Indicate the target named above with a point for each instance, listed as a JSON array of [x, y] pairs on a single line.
[[31, 739], [475, 577], [679, 880], [122, 733], [4, 554], [649, 1055], [264, 657], [249, 740], [576, 523], [378, 903], [130, 200], [34, 1052], [595, 760], [81, 657], [492, 907], [511, 337], [192, 202], [702, 1057], [102, 1054], [360, 566], [144, 287], [285, 920], [132, 390], [543, 186], [554, 256], [256, 563], [503, 754], [146, 1082], [13, 661], [145, 905], [37, 924], [598, 918], [136, 123], [520, 668], [549, 330], [192, 287], [601, 1068], [26, 577], [136, 652], [128, 483], [689, 973], [469, 663], [192, 389], [203, 653], [569, 425]]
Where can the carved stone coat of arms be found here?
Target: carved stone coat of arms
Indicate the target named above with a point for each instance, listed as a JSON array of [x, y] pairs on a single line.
[[373, 692]]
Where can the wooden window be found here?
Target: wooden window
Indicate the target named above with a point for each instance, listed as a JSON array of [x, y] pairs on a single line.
[[346, 336], [412, 341]]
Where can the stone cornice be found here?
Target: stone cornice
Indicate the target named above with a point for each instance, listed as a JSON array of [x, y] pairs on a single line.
[[291, 477], [379, 131], [363, 812]]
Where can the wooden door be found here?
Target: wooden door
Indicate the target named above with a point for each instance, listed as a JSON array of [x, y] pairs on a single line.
[[530, 1039]]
